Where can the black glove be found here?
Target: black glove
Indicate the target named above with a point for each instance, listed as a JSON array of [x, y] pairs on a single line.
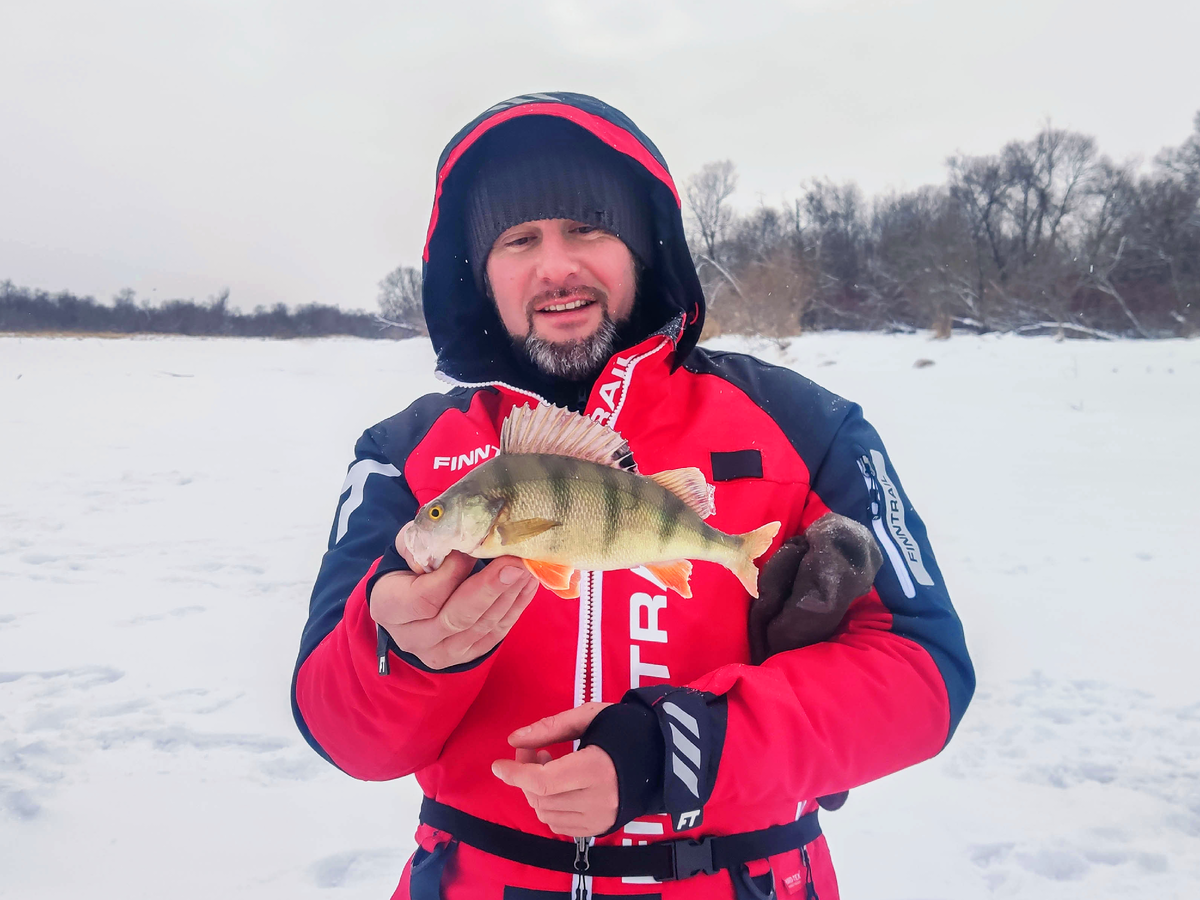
[[808, 584]]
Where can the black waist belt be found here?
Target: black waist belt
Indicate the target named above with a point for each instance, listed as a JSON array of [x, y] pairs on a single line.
[[662, 860]]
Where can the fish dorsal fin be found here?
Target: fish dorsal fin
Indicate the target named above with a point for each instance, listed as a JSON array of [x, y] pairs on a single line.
[[560, 432], [690, 486]]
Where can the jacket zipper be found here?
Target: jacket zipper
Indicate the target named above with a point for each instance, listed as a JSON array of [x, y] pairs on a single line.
[[589, 676], [589, 686]]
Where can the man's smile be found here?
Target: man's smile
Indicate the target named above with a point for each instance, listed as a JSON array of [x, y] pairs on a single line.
[[566, 305]]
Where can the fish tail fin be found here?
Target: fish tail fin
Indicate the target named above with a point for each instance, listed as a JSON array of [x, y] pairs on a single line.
[[754, 544]]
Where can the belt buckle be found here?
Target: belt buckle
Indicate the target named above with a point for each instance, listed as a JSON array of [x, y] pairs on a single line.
[[692, 857]]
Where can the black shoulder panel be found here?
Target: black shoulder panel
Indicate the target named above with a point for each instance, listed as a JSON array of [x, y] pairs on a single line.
[[808, 415], [851, 474]]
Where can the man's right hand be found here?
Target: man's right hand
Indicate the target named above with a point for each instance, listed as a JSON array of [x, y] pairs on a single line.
[[449, 616]]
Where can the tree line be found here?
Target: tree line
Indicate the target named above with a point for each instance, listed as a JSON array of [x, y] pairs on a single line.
[[26, 310], [1046, 235]]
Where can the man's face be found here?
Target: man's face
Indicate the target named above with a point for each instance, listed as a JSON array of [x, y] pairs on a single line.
[[561, 287]]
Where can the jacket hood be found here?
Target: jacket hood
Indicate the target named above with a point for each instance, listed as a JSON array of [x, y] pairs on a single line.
[[471, 343]]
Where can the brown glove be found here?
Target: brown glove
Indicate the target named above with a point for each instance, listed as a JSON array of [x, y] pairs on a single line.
[[808, 584], [806, 587]]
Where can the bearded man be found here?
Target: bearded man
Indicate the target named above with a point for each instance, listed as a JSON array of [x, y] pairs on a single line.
[[622, 743]]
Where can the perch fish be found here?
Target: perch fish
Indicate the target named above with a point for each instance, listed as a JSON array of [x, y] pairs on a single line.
[[563, 495]]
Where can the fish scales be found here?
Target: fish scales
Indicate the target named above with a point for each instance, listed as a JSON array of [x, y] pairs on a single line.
[[612, 516], [558, 497]]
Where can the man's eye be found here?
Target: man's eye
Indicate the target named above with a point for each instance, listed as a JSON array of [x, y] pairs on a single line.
[[585, 229], [518, 241]]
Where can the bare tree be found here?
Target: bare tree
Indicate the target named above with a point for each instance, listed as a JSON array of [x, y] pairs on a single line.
[[1184, 160], [707, 192], [400, 299]]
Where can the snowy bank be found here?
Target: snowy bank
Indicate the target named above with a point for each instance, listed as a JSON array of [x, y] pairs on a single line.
[[164, 504]]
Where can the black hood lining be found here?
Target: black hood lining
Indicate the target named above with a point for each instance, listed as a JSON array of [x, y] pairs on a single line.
[[472, 345]]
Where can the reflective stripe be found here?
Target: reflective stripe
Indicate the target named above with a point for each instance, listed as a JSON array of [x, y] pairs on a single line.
[[356, 480]]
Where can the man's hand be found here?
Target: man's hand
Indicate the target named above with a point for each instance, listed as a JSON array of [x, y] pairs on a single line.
[[576, 794], [449, 616]]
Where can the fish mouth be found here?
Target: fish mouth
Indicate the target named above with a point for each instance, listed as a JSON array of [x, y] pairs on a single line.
[[419, 550], [428, 554]]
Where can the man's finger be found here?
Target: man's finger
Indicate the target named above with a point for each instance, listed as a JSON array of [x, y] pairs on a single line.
[[543, 779], [476, 639], [565, 802], [422, 596], [529, 777], [477, 594], [565, 726], [476, 645], [572, 824], [514, 612]]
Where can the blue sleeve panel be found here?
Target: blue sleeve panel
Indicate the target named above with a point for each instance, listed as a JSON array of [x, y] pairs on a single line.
[[852, 475], [856, 479], [375, 502]]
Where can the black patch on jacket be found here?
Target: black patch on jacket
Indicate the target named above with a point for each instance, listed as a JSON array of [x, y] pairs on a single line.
[[728, 465]]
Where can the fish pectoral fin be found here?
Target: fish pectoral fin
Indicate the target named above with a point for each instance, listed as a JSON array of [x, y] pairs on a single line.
[[674, 574], [513, 532], [690, 486], [555, 577]]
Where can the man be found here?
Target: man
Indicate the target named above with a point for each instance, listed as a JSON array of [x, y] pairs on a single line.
[[556, 271]]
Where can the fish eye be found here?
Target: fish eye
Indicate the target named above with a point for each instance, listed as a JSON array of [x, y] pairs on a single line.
[[435, 512]]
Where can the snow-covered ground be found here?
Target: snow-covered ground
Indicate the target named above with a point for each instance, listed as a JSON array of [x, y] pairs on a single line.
[[164, 504]]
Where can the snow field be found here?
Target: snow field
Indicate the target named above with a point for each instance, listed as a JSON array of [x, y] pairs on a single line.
[[164, 504]]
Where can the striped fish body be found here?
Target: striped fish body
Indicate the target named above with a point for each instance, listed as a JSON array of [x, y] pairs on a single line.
[[563, 496], [610, 518]]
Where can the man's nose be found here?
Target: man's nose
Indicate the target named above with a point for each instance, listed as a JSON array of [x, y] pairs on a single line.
[[557, 262]]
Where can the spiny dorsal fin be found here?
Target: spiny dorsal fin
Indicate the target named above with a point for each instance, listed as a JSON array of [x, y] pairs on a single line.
[[690, 486], [560, 432]]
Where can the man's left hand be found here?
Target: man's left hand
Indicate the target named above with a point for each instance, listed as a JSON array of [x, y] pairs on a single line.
[[575, 795]]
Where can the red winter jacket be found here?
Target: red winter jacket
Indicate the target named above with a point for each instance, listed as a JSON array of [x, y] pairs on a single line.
[[883, 693]]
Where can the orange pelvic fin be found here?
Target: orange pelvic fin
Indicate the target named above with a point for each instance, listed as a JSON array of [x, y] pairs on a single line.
[[562, 580], [674, 574]]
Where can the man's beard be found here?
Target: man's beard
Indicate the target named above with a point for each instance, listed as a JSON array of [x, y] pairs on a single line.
[[575, 360]]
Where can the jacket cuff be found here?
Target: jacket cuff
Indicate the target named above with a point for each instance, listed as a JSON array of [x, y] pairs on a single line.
[[692, 727], [392, 561], [630, 734]]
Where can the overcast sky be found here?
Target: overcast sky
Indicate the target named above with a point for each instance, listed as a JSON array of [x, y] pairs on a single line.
[[287, 149]]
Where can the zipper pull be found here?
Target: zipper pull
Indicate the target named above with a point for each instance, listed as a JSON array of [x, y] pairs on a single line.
[[582, 845], [381, 649], [810, 889]]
